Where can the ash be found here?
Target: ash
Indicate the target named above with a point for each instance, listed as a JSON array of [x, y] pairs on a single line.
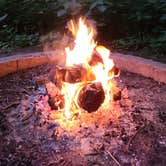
[[131, 132]]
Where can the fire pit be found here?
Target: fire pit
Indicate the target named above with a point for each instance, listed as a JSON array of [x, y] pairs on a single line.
[[84, 85], [132, 132], [82, 113]]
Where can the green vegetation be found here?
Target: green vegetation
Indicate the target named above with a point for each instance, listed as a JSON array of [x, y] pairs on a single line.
[[125, 25]]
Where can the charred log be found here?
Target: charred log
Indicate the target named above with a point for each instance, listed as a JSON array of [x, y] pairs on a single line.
[[91, 96], [73, 74], [95, 59], [56, 100], [117, 96], [114, 72]]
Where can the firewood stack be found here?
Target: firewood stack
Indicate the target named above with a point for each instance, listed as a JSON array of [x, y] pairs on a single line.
[[91, 95]]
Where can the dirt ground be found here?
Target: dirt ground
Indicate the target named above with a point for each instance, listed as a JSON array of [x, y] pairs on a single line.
[[132, 132]]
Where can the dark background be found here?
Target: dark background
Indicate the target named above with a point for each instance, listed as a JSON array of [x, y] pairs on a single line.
[[137, 26]]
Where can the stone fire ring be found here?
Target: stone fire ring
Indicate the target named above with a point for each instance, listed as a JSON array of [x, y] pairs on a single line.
[[147, 68]]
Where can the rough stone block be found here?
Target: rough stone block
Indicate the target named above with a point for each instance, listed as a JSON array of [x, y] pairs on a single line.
[[138, 65]]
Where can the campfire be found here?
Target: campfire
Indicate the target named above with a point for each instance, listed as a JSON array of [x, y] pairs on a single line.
[[85, 82], [79, 113]]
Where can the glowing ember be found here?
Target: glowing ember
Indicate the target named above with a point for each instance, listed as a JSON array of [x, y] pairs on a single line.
[[95, 62]]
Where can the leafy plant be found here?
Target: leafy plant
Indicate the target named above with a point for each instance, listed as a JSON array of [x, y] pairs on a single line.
[[131, 25]]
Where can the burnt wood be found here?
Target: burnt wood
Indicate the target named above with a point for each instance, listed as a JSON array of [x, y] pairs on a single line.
[[114, 72], [56, 99], [91, 96], [72, 74]]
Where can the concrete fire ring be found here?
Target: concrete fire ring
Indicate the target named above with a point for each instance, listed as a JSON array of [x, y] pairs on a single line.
[[145, 67]]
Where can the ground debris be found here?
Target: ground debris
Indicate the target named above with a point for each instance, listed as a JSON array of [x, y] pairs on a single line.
[[30, 134]]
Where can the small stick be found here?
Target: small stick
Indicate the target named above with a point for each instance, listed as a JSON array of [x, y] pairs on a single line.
[[56, 159], [26, 118], [92, 154], [22, 90], [11, 105], [54, 156], [131, 139], [116, 161]]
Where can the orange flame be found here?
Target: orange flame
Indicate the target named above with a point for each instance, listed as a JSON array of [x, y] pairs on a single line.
[[82, 54], [84, 43]]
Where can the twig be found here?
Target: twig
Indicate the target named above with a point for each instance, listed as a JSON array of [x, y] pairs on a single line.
[[131, 139], [54, 156], [11, 105], [27, 117], [116, 161], [57, 160], [19, 90], [92, 154], [22, 90]]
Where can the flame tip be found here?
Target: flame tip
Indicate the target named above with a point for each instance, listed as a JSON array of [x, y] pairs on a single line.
[[82, 53]]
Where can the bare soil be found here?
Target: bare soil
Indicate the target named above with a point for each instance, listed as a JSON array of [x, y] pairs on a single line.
[[132, 133]]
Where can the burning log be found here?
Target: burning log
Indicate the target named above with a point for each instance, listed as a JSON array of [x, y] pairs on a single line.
[[91, 96], [117, 96], [73, 74], [95, 59], [56, 100], [114, 72]]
